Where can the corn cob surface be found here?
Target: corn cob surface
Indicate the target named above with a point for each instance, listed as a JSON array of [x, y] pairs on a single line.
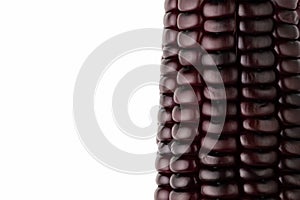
[[253, 45]]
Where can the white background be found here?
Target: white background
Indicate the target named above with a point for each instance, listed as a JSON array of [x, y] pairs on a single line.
[[43, 45]]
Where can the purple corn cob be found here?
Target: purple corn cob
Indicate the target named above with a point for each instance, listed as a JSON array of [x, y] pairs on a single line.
[[255, 46]]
